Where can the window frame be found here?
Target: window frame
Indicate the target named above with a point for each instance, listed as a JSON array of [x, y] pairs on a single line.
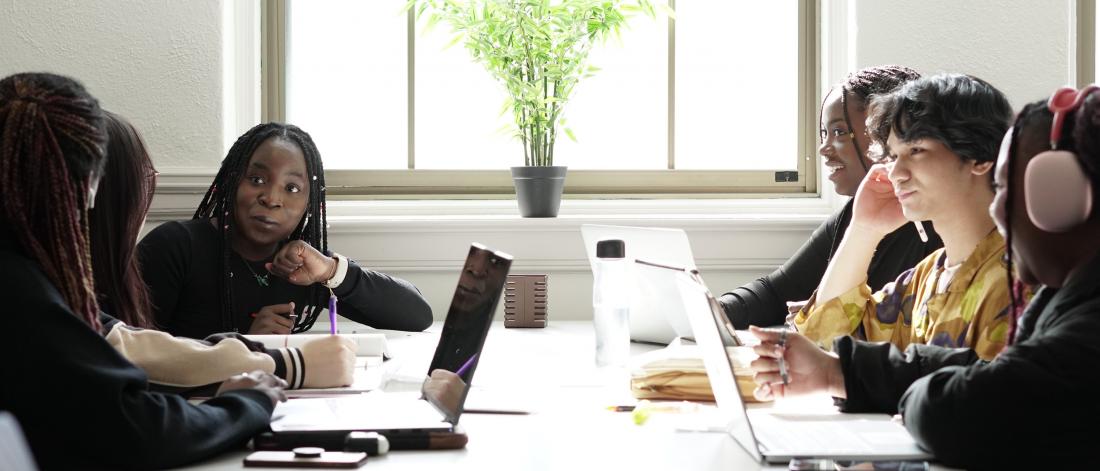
[[580, 184]]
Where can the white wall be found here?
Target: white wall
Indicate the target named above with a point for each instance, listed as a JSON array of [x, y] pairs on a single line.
[[157, 63], [1022, 47], [162, 65]]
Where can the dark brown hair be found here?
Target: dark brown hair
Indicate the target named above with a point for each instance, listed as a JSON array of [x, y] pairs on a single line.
[[123, 199]]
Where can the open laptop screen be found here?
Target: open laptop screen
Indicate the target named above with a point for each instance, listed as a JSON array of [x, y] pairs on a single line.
[[708, 323], [468, 320]]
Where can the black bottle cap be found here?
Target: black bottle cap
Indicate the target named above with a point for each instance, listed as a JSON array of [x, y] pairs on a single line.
[[611, 248]]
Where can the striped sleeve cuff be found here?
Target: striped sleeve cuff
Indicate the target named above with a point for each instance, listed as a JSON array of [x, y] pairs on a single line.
[[290, 365]]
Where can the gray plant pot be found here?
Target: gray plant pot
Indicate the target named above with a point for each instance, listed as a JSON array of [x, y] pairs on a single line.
[[538, 190]]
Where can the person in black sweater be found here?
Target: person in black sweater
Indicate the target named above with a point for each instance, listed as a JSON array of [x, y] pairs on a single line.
[[176, 364], [255, 257], [1034, 405], [847, 149], [80, 403]]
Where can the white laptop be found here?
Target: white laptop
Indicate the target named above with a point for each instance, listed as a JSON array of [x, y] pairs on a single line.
[[777, 435], [656, 313]]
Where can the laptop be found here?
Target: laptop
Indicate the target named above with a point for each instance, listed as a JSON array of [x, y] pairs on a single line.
[[407, 420], [776, 436], [656, 313]]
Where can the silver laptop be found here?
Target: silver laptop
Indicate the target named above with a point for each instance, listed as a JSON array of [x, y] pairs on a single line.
[[656, 313], [780, 436]]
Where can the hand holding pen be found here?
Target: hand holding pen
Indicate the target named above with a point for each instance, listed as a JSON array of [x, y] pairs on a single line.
[[790, 364]]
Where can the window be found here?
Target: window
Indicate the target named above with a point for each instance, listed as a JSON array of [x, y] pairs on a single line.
[[719, 101]]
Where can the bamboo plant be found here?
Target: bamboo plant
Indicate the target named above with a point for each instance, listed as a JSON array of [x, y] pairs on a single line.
[[538, 49]]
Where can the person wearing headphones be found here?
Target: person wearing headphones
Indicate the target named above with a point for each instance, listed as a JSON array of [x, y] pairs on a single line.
[[1034, 403]]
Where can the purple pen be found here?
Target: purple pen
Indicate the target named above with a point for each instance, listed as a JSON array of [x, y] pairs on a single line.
[[332, 314], [466, 366]]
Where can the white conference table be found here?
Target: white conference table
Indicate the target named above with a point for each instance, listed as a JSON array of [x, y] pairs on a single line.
[[551, 373]]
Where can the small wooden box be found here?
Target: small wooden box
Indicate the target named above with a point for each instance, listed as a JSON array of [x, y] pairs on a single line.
[[525, 301]]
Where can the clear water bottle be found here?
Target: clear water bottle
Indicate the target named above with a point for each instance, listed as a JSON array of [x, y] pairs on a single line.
[[611, 304]]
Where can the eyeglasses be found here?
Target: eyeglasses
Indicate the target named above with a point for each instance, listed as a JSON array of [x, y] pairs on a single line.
[[151, 175]]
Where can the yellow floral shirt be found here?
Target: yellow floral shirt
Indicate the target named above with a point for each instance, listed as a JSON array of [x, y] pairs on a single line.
[[973, 311]]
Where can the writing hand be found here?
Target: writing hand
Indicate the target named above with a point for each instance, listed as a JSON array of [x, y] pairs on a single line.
[[329, 362]]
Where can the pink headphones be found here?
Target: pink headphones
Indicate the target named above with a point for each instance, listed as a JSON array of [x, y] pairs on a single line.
[[1057, 190]]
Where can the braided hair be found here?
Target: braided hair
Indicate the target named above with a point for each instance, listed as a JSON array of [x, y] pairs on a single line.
[[1025, 117], [865, 83], [219, 204], [52, 148], [1033, 123]]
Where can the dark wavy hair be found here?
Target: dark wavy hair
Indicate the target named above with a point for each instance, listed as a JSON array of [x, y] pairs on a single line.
[[965, 113], [123, 199]]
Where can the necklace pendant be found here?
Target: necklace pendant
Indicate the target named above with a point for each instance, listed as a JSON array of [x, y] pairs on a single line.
[[261, 280]]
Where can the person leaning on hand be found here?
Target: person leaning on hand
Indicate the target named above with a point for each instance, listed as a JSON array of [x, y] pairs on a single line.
[[180, 365], [1033, 405]]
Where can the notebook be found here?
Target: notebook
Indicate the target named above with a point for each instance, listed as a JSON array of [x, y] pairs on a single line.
[[656, 315], [404, 416], [776, 435]]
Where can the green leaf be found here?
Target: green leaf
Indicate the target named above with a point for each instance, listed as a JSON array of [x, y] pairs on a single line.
[[537, 50], [569, 134]]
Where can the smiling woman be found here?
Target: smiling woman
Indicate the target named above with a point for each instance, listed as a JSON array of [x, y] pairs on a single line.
[[259, 242]]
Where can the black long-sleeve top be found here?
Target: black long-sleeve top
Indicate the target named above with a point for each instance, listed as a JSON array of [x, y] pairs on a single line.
[[763, 302], [181, 263], [1034, 405], [82, 405]]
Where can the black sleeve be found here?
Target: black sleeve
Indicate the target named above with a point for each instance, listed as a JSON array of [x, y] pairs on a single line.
[[381, 301], [1036, 398], [876, 374], [82, 405], [165, 258], [764, 302], [899, 251]]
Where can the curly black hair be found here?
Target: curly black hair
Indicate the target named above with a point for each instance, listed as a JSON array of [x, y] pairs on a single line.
[[965, 113]]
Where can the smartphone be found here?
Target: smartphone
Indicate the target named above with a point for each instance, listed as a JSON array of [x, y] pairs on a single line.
[[288, 459]]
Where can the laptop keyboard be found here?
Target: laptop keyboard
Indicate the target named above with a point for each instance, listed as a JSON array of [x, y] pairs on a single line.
[[778, 434]]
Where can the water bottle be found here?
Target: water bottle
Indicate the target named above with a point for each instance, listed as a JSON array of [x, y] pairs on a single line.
[[611, 304]]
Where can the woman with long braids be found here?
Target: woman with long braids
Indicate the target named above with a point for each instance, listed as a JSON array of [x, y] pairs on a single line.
[[255, 257], [80, 403], [1031, 407], [174, 364], [845, 146]]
